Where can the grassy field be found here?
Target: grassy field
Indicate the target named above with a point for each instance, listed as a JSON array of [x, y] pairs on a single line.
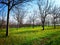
[[30, 36]]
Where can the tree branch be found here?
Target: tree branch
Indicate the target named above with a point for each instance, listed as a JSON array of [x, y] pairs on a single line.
[[4, 3]]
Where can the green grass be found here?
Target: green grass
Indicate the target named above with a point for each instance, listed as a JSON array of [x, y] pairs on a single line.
[[30, 36]]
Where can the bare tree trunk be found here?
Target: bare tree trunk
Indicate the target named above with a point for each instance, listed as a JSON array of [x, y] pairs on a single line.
[[48, 23], [20, 24], [43, 25], [54, 24], [33, 23], [7, 21], [1, 25]]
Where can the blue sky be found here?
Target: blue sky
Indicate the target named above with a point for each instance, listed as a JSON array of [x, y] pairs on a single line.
[[57, 2]]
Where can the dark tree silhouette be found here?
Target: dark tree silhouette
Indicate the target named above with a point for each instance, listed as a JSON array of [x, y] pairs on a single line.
[[10, 4]]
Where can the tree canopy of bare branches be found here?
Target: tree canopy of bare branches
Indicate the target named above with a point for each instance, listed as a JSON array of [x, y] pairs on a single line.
[[20, 14], [44, 8]]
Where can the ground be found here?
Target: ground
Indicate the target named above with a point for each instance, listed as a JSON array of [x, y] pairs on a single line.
[[30, 36]]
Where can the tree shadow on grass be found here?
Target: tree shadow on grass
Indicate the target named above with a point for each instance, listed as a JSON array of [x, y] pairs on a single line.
[[52, 28], [2, 36]]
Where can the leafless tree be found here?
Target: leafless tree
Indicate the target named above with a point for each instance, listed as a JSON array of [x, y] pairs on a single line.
[[44, 8], [55, 14], [20, 14], [59, 15], [10, 4], [33, 17]]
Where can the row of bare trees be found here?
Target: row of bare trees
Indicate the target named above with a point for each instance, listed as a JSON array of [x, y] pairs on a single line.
[[45, 8], [19, 15]]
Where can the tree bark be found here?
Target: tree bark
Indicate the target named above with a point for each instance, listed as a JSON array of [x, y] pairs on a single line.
[[54, 24], [7, 21], [43, 26], [43, 23]]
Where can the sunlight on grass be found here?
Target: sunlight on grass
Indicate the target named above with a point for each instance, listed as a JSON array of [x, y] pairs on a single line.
[[30, 36]]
